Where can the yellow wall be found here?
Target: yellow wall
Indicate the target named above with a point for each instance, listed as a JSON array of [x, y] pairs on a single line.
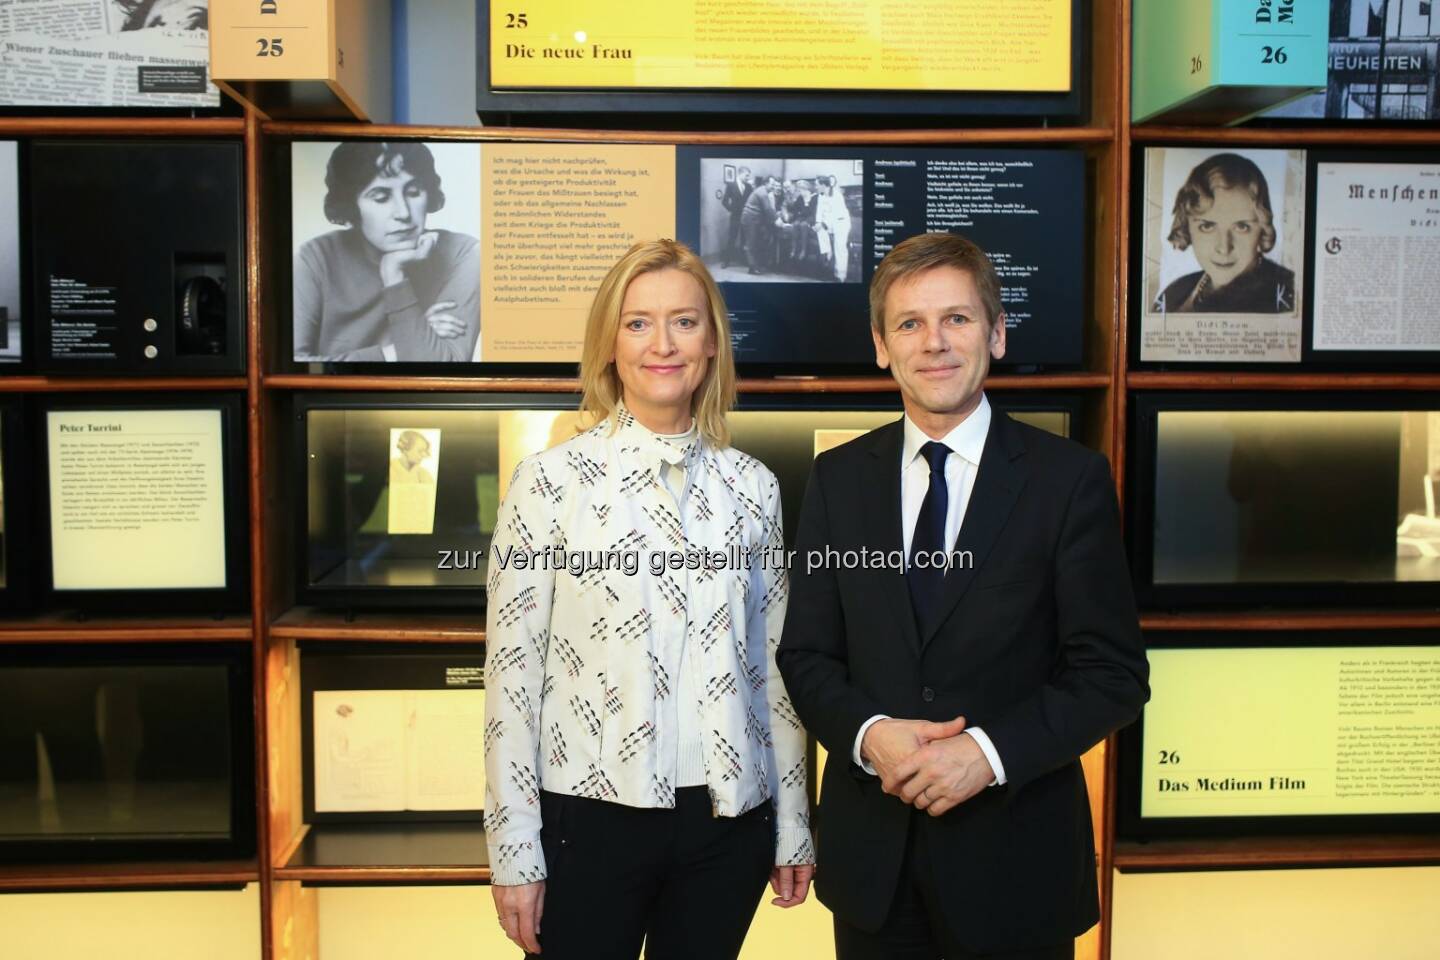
[[365, 923], [184, 925], [1277, 914]]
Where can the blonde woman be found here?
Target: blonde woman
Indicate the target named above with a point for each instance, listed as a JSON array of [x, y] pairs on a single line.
[[645, 769]]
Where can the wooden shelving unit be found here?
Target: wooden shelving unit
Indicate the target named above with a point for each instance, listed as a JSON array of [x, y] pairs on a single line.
[[58, 628], [408, 854], [293, 856], [1270, 853], [95, 877]]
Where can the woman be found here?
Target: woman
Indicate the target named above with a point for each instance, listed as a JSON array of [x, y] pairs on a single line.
[[413, 450], [383, 287], [832, 229], [645, 770], [1223, 211]]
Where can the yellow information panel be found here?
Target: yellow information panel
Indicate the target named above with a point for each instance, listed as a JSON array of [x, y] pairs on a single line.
[[903, 45], [1292, 731]]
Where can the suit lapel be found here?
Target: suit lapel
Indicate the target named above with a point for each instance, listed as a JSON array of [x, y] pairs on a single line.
[[997, 485], [880, 487]]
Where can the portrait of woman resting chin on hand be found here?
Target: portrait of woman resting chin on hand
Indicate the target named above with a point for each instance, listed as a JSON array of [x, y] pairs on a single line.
[[385, 286]]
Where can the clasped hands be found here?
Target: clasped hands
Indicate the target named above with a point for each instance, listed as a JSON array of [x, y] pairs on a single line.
[[931, 766]]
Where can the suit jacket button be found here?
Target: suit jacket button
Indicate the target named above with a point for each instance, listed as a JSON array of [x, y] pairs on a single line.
[[927, 694]]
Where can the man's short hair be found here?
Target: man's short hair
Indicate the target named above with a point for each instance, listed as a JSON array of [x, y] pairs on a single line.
[[926, 251]]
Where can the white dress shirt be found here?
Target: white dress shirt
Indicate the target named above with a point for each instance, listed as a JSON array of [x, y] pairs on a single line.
[[966, 443]]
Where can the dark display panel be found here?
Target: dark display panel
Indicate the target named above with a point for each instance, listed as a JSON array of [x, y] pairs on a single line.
[[411, 254], [402, 490], [1284, 732], [136, 257], [144, 502], [392, 732], [10, 283], [1246, 498], [125, 752], [16, 505], [798, 290], [560, 63]]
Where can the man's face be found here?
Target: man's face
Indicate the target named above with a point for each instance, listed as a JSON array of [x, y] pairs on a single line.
[[745, 177], [937, 343]]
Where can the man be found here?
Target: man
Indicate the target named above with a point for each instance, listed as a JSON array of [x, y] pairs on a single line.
[[757, 220], [955, 692], [736, 193]]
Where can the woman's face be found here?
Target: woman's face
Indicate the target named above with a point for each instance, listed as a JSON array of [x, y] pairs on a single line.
[[1226, 236], [392, 211], [417, 452], [664, 345]]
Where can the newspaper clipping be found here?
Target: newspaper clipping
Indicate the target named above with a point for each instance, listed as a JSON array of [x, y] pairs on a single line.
[[106, 53]]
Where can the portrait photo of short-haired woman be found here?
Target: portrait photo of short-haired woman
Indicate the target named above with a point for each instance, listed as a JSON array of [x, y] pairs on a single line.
[[396, 276], [1224, 235], [1224, 215]]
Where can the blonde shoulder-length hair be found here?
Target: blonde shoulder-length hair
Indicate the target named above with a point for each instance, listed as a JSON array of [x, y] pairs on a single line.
[[600, 386]]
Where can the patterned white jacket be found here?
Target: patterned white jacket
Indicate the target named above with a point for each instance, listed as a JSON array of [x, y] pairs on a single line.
[[582, 653]]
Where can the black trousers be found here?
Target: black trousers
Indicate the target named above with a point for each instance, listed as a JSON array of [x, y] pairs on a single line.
[[915, 928], [685, 882]]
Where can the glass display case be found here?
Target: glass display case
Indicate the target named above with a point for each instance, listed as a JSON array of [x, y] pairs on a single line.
[[1262, 499], [126, 752], [401, 491]]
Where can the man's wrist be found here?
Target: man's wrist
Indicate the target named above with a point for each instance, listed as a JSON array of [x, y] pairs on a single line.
[[857, 755], [992, 756]]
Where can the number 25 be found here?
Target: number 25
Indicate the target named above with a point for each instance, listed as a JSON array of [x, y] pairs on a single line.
[[270, 48]]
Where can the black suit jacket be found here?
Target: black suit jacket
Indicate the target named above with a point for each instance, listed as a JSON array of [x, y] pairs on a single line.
[[1038, 642]]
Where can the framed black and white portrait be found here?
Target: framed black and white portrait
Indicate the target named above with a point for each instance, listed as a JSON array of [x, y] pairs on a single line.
[[387, 251], [1223, 257]]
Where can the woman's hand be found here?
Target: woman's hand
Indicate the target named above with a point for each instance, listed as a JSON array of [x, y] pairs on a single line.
[[392, 264], [791, 884], [443, 323], [519, 908]]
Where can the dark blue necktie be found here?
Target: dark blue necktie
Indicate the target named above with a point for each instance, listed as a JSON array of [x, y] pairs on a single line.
[[927, 576]]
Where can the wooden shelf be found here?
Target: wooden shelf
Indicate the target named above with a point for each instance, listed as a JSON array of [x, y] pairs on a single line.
[[69, 628], [345, 382], [21, 878], [92, 384], [409, 853], [1269, 853], [1295, 620], [850, 384], [122, 126], [1368, 135], [310, 623], [1232, 380], [956, 136]]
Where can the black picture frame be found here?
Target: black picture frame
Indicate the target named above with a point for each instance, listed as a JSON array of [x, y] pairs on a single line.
[[237, 661], [328, 665], [1145, 408], [177, 278], [17, 500], [1311, 360], [785, 109], [234, 597], [834, 338], [1131, 825]]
